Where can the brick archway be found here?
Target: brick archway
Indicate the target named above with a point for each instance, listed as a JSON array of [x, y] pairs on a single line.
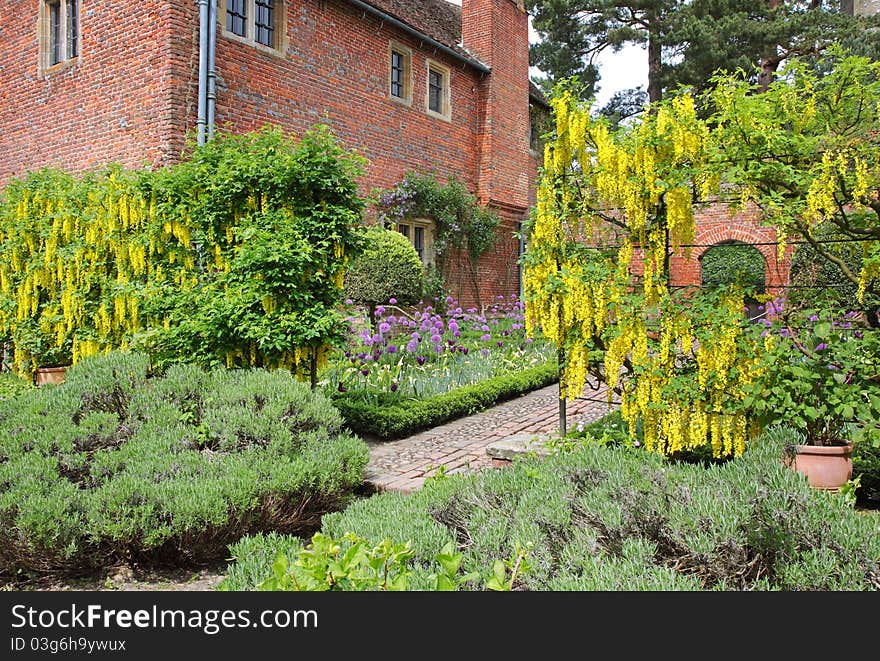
[[716, 225]]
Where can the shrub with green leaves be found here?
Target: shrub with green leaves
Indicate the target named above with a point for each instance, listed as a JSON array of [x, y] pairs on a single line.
[[117, 464], [389, 267], [616, 518]]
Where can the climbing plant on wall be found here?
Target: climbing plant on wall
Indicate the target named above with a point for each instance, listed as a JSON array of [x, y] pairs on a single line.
[[234, 256], [461, 224]]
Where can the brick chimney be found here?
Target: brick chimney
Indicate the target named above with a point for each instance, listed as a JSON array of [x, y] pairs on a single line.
[[497, 32]]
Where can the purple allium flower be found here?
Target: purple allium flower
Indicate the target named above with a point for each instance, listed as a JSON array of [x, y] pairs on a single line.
[[449, 300], [484, 328], [484, 352], [456, 333], [486, 337], [528, 340], [416, 336], [420, 360], [412, 346], [438, 325], [348, 301], [380, 310], [392, 348], [391, 319], [453, 325], [814, 317], [392, 301], [436, 339], [384, 327], [821, 346]]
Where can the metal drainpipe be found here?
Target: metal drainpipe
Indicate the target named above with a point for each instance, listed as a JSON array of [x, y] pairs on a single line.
[[212, 72], [203, 71]]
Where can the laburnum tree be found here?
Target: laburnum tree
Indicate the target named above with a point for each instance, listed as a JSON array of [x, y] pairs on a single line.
[[613, 204]]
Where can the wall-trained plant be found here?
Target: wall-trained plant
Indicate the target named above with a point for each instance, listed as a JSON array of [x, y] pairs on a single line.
[[233, 256], [117, 464]]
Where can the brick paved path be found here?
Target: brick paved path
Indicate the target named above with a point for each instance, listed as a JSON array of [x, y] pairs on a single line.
[[460, 445]]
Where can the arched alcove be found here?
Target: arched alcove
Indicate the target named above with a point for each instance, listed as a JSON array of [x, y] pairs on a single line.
[[729, 262]]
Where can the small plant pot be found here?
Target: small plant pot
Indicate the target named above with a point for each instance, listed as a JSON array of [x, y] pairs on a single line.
[[45, 375], [827, 467]]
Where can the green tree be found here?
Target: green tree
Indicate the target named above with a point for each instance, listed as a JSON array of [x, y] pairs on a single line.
[[687, 42], [806, 153]]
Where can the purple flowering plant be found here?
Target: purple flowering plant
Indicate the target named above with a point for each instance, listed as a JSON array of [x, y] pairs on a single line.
[[419, 352], [819, 374]]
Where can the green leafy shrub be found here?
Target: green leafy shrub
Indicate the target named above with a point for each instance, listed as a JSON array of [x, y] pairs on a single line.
[[116, 464], [234, 256], [389, 267], [389, 417], [866, 466], [613, 518]]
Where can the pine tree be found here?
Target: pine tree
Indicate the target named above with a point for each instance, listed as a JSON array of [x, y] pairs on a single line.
[[689, 40]]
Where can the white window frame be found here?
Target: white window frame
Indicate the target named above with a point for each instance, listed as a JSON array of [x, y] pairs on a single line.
[[446, 96]]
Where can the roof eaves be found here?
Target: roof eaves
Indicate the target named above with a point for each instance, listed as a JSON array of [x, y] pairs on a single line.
[[409, 29]]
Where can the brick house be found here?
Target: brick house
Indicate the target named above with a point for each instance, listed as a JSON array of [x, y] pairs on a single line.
[[414, 85]]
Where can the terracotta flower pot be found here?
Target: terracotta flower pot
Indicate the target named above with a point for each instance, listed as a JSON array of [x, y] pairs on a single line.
[[45, 375], [827, 467]]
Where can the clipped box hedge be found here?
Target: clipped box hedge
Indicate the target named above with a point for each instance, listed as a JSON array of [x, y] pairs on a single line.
[[393, 417], [116, 465], [617, 519]]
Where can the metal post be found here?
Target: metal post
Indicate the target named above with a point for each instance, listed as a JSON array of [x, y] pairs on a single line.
[[212, 72]]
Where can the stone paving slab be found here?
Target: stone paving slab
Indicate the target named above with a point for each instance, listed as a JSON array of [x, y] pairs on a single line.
[[461, 445]]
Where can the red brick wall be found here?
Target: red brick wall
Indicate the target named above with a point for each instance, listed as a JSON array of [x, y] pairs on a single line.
[[131, 98], [497, 32], [717, 224], [110, 104], [336, 71]]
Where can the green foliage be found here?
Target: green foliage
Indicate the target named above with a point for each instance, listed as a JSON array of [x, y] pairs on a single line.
[[292, 211], [866, 467], [733, 263], [118, 464], [12, 385], [806, 153], [389, 267], [323, 565], [390, 417], [610, 519], [693, 40], [233, 256], [818, 375], [461, 225], [817, 282]]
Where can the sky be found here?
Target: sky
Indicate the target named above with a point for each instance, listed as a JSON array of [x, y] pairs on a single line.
[[622, 70]]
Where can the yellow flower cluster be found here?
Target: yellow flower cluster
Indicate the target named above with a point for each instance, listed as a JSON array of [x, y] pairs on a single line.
[[645, 178], [91, 244]]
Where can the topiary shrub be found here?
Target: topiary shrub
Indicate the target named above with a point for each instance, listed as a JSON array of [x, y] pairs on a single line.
[[117, 464], [388, 267]]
